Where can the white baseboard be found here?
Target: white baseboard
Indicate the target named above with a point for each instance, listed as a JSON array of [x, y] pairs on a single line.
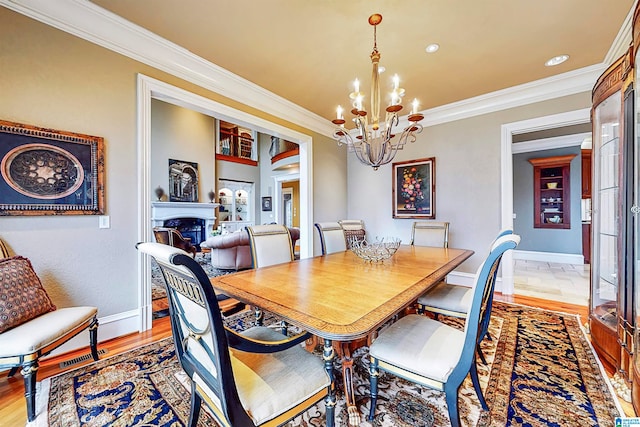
[[112, 326], [467, 279], [554, 257]]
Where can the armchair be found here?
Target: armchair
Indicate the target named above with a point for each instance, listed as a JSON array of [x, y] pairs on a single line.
[[427, 352], [172, 237], [31, 326], [256, 378]]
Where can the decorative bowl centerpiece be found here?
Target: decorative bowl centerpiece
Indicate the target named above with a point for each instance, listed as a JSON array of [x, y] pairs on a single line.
[[376, 251], [554, 220]]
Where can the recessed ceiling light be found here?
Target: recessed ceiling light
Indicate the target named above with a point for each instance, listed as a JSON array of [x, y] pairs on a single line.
[[433, 47], [556, 60]]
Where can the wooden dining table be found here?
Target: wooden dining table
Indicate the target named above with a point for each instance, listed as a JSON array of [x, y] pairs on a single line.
[[340, 297]]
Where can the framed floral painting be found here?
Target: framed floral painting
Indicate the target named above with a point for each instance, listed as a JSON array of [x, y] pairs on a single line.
[[414, 188]]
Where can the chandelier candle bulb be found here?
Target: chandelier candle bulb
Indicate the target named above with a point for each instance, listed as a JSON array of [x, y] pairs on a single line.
[[414, 106], [339, 113]]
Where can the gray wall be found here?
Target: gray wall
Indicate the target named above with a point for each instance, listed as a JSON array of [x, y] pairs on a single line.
[[54, 80], [181, 134], [568, 241], [468, 160]]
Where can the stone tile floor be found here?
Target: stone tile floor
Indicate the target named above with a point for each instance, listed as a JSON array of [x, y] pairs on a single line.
[[560, 282]]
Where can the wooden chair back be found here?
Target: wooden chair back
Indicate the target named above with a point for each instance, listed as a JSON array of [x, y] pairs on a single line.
[[332, 238], [430, 233]]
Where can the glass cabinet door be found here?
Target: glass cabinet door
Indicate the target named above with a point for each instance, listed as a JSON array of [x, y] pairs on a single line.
[[225, 196], [242, 207], [606, 148]]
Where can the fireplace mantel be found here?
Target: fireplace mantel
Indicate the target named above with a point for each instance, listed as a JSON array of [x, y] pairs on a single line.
[[162, 211]]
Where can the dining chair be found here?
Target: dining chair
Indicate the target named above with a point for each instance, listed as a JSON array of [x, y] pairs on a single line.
[[332, 238], [433, 354], [253, 378], [353, 229], [269, 244], [430, 233], [454, 300]]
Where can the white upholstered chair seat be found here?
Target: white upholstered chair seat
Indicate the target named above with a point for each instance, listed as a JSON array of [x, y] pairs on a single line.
[[444, 298], [44, 330], [271, 384], [420, 345]]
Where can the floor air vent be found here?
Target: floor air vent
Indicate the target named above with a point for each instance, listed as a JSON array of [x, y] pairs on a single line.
[[82, 358]]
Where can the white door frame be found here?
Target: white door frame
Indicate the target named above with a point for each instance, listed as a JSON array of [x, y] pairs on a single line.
[[149, 88], [277, 206], [507, 131]]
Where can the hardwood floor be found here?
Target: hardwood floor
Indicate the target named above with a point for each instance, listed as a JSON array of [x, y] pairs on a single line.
[[12, 403]]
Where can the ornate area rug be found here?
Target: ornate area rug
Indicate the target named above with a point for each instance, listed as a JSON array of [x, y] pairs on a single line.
[[541, 371]]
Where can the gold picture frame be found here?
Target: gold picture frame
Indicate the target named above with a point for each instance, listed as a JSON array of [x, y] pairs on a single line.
[[414, 188], [50, 172]]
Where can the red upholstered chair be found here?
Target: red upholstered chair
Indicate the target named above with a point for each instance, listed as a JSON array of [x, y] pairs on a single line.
[[172, 237]]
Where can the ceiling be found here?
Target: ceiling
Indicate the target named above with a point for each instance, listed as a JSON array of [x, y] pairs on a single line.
[[309, 52]]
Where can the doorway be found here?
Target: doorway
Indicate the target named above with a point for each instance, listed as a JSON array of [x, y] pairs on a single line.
[[510, 131], [149, 88], [287, 206]]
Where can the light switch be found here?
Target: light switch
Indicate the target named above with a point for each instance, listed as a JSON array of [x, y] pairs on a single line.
[[104, 222]]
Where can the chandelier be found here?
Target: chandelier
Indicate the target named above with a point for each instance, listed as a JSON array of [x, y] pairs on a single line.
[[374, 143]]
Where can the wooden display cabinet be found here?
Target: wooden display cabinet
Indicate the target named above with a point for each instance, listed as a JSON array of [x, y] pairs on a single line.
[[551, 192], [610, 319]]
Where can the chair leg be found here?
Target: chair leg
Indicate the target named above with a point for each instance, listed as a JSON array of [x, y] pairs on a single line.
[[196, 404], [29, 371], [93, 339], [476, 385], [284, 327], [259, 316], [451, 396], [374, 373], [479, 350]]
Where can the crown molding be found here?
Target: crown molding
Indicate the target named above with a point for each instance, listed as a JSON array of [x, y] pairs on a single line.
[[90, 22], [623, 39], [549, 143], [97, 25]]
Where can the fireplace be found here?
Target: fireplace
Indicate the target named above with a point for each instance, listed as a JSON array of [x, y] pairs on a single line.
[[190, 228], [193, 220]]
